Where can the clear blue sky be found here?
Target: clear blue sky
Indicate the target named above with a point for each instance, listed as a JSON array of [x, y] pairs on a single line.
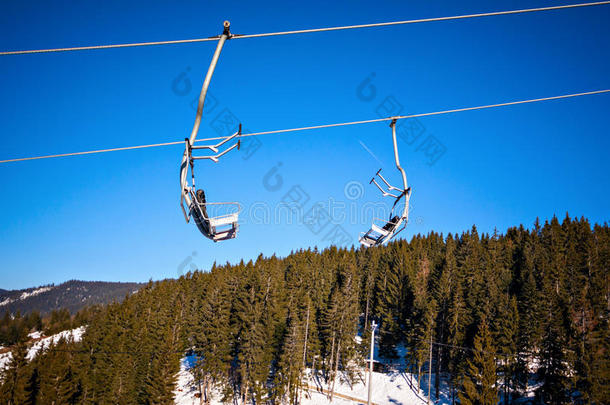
[[115, 216]]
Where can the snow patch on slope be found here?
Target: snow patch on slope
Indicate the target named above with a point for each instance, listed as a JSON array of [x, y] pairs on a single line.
[[26, 294], [75, 334], [35, 292], [35, 335], [5, 358], [185, 391]]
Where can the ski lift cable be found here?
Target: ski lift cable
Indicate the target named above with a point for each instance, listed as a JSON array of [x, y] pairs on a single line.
[[340, 124], [306, 31], [402, 117], [197, 349], [422, 20]]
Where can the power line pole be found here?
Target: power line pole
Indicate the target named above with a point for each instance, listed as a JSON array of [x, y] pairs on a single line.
[[430, 372], [373, 326]]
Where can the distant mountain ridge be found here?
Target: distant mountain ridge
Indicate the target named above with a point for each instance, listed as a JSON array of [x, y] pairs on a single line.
[[72, 295]]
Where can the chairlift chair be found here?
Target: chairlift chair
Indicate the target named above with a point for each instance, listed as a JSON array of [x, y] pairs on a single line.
[[217, 221], [383, 230]]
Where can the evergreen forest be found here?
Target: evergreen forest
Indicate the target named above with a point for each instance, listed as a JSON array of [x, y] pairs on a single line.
[[500, 314]]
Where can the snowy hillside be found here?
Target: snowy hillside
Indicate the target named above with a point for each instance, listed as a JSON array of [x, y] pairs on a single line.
[[44, 342], [26, 294], [72, 295]]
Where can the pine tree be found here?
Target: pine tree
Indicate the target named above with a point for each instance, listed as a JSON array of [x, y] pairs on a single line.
[[506, 329], [480, 386], [253, 336], [290, 375], [15, 377], [458, 319], [33, 384], [369, 263], [554, 316], [444, 280], [340, 318], [388, 303], [528, 304], [213, 335], [597, 344], [553, 373]]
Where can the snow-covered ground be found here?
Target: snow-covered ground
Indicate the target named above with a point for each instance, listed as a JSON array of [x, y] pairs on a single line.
[[391, 388], [35, 292], [35, 335], [75, 334], [185, 383], [388, 388]]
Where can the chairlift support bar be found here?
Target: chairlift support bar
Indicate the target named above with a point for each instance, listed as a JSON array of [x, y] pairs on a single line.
[[402, 171], [219, 226], [185, 197], [226, 34]]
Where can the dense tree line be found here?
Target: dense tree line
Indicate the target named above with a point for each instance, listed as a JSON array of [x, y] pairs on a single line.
[[498, 312], [14, 328]]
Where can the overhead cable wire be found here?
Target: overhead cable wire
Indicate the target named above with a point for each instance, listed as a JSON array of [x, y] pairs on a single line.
[[423, 20], [402, 117], [95, 47], [307, 31], [472, 349], [50, 349], [340, 124], [154, 145], [196, 350]]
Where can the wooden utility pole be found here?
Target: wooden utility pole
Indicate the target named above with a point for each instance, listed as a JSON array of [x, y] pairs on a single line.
[[373, 326]]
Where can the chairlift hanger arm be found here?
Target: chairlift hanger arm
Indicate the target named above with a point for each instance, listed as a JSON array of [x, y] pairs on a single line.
[[214, 148], [390, 187], [186, 159], [215, 157], [383, 192], [226, 34], [402, 171]]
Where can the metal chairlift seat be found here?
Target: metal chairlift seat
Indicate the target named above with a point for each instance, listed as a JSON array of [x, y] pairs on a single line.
[[218, 220], [382, 231], [218, 227], [377, 234]]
